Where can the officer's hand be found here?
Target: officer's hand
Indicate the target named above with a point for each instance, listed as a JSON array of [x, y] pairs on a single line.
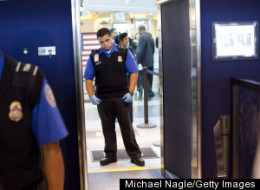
[[127, 97], [94, 100]]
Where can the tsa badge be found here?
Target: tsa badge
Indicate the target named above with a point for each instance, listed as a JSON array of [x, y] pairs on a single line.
[[96, 57], [120, 59], [49, 96], [15, 113]]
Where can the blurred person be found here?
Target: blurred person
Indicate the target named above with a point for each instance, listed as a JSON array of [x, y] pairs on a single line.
[[123, 40], [131, 44], [114, 33], [144, 54], [110, 65], [29, 122]]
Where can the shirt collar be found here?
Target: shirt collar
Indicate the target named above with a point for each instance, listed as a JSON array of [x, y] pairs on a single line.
[[1, 62], [109, 54]]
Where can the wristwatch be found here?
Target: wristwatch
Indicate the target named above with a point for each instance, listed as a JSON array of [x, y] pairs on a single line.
[[131, 93]]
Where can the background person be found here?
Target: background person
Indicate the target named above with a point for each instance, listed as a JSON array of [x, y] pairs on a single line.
[[114, 33], [144, 54], [109, 65], [123, 40]]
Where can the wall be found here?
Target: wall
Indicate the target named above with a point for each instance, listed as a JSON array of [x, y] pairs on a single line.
[[216, 91], [32, 23]]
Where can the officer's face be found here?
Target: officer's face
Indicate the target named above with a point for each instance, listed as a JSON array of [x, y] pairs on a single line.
[[106, 42]]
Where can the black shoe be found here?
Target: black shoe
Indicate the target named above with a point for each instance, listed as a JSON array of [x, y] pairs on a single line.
[[151, 95], [137, 161], [106, 161]]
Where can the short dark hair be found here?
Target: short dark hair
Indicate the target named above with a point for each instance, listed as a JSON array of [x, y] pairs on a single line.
[[122, 36], [102, 32], [142, 28]]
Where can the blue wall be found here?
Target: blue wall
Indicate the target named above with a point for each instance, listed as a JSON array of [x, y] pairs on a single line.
[[216, 91], [32, 23]]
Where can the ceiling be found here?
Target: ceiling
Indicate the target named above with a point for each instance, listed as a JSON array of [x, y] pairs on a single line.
[[111, 6]]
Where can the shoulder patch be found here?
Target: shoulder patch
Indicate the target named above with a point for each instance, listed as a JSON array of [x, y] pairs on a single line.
[[49, 96]]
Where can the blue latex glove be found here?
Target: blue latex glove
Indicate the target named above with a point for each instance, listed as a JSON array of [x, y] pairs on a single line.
[[127, 97], [94, 100]]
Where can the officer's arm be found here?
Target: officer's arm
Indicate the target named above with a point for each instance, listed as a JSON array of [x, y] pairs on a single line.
[[133, 81], [89, 87], [53, 166]]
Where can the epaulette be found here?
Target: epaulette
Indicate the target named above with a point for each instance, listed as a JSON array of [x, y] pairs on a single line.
[[121, 48], [26, 68]]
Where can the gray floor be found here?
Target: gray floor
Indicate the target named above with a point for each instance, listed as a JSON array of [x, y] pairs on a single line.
[[111, 180]]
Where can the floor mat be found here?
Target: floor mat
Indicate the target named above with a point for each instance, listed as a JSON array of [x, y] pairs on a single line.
[[147, 152]]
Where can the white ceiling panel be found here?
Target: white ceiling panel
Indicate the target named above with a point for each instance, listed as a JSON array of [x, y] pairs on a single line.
[[140, 6]]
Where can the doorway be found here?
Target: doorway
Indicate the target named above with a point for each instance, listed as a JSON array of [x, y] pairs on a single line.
[[147, 138]]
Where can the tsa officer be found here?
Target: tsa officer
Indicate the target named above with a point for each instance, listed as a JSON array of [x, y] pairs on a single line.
[[29, 121], [110, 65]]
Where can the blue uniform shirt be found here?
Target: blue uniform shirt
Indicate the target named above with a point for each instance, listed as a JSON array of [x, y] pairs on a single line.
[[47, 123], [130, 63]]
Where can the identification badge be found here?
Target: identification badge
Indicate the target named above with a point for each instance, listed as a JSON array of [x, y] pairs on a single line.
[[96, 57], [120, 59], [15, 111]]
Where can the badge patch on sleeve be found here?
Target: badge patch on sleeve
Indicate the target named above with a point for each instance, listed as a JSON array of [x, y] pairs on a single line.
[[49, 96], [120, 59], [15, 111]]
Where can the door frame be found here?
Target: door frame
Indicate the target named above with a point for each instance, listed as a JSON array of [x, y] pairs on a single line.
[[82, 147], [195, 39]]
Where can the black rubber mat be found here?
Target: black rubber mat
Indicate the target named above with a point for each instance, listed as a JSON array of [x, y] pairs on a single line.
[[147, 152]]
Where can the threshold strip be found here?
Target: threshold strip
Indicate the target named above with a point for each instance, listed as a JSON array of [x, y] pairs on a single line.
[[123, 169]]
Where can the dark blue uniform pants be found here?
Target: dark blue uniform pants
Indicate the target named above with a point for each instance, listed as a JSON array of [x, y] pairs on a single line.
[[110, 109]]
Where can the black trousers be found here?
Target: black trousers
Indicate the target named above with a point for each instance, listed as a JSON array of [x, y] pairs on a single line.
[[110, 109]]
